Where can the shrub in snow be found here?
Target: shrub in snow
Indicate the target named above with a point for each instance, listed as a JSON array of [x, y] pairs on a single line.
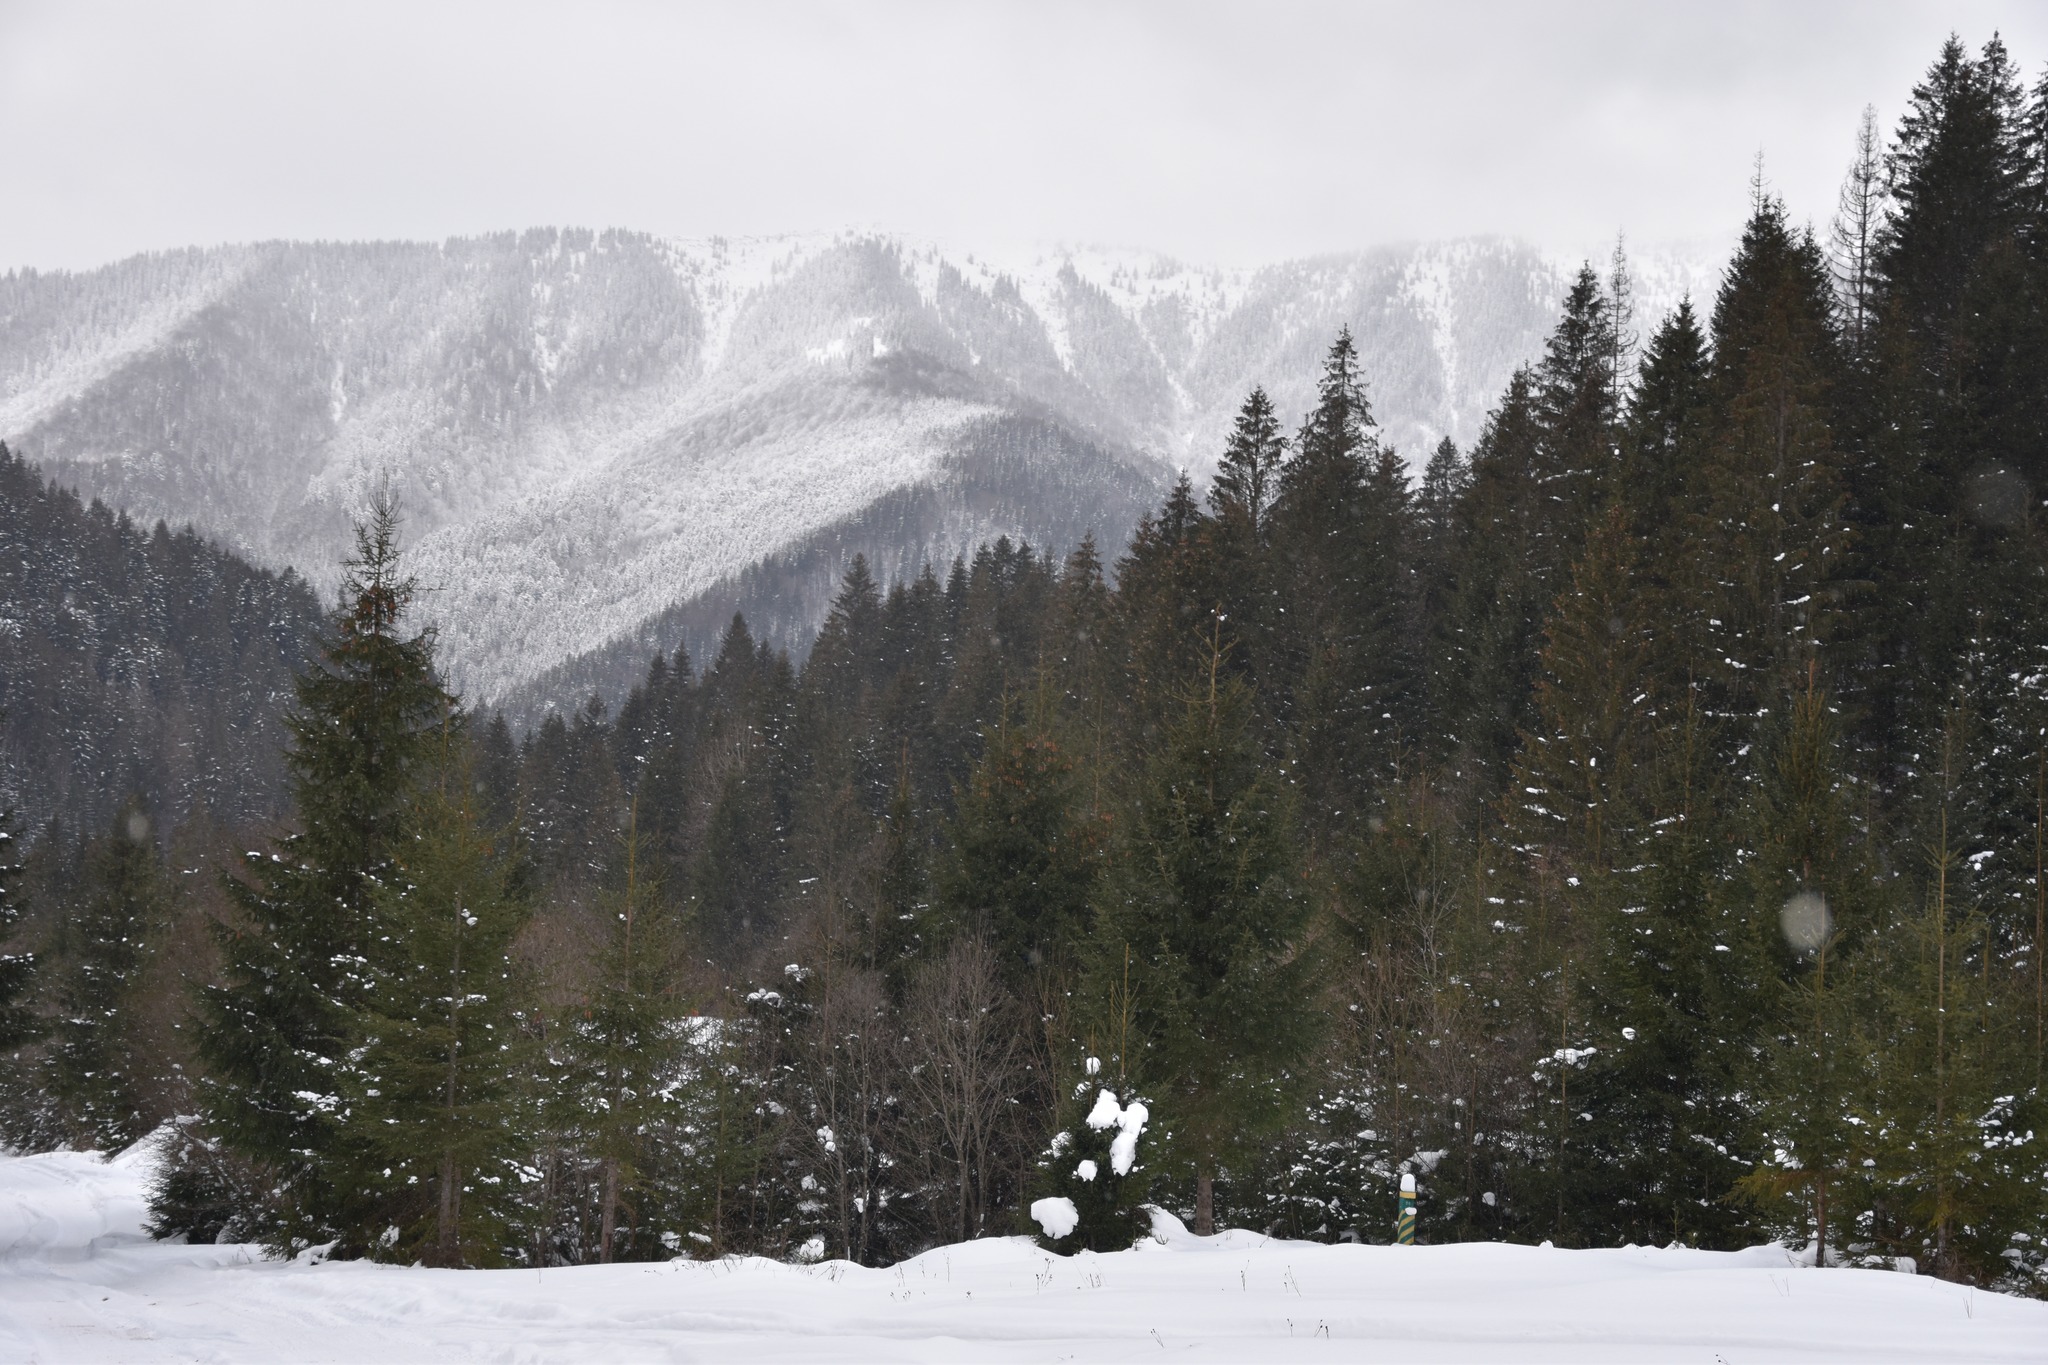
[[1093, 1183], [201, 1192]]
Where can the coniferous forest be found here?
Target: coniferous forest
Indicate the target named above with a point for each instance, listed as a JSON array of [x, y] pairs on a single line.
[[1634, 827]]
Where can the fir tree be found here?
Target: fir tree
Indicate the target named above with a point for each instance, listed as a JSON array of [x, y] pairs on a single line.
[[1667, 422], [1957, 176], [1668, 1004], [1956, 1158], [1577, 399], [902, 924], [1444, 482], [1486, 641]]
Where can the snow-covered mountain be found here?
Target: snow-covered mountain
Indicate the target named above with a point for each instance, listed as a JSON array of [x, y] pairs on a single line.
[[604, 438]]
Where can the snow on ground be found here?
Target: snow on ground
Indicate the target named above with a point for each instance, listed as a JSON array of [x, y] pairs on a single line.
[[80, 1283]]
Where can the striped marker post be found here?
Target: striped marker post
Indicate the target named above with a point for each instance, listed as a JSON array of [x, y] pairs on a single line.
[[1404, 1226]]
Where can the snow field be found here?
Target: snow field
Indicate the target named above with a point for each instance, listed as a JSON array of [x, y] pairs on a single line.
[[80, 1283]]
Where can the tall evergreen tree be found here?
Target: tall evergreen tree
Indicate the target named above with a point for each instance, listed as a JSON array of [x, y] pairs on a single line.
[[1203, 968], [624, 1054], [296, 967], [1247, 473], [1957, 174], [1344, 669], [17, 970], [1667, 422], [91, 1066], [1577, 398], [433, 1078], [1021, 856], [1486, 642], [1767, 519], [1807, 873]]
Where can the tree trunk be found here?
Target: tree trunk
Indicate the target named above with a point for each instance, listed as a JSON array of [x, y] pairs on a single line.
[[610, 1223], [448, 1218], [965, 1235], [1205, 1205], [1820, 1222]]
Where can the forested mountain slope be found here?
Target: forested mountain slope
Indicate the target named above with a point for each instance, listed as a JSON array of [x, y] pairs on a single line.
[[589, 430], [1634, 830], [138, 663]]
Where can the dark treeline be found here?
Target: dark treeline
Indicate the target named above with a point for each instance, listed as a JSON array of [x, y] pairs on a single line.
[[138, 662], [1634, 827]]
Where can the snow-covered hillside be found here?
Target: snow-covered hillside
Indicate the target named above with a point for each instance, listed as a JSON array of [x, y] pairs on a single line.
[[79, 1283], [589, 428]]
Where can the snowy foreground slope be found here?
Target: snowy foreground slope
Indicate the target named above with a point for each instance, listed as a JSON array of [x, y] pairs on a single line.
[[79, 1283]]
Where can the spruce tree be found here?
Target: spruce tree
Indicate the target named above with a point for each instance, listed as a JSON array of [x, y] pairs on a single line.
[[1202, 939], [1955, 307], [1957, 1120], [1020, 859], [91, 1067], [1342, 665], [1167, 597], [1666, 424], [1484, 646], [296, 972], [1247, 473], [1577, 401], [431, 1084], [1761, 590], [1092, 1176], [902, 923], [1667, 1001], [1808, 874], [738, 858], [1957, 178], [623, 1055], [18, 1023], [1576, 817]]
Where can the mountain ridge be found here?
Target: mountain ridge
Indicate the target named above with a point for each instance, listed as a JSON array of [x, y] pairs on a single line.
[[591, 428]]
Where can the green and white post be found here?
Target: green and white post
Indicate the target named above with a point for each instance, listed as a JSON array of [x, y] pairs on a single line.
[[1404, 1225]]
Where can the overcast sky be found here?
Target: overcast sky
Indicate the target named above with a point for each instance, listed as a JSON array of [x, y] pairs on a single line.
[[1231, 132]]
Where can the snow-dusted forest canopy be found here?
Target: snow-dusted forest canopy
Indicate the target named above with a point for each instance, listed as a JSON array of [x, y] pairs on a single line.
[[1582, 747]]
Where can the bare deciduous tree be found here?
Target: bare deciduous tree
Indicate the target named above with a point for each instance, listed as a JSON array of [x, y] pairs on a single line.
[[965, 1068]]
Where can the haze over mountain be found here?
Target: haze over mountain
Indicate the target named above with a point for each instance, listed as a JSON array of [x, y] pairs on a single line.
[[607, 442]]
